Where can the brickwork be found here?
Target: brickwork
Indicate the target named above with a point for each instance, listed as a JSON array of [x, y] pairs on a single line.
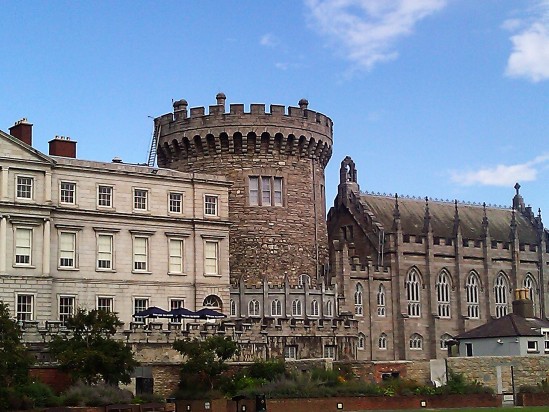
[[266, 242]]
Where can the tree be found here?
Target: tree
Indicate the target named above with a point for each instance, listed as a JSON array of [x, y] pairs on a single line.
[[15, 360], [90, 352], [205, 359]]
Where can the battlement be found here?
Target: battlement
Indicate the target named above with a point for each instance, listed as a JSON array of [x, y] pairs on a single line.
[[193, 133]]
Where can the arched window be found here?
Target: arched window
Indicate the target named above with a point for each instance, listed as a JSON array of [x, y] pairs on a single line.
[[359, 292], [329, 308], [314, 308], [444, 341], [530, 284], [382, 342], [233, 307], [416, 342], [443, 294], [276, 308], [296, 308], [361, 341], [501, 291], [472, 289], [413, 290], [253, 308], [381, 301], [212, 301]]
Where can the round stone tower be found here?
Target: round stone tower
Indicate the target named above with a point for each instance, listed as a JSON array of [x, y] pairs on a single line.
[[276, 162]]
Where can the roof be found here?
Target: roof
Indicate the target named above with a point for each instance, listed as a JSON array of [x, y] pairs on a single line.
[[508, 325], [412, 218]]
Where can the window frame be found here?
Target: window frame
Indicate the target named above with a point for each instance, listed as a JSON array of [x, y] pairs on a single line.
[[297, 307], [71, 193], [142, 299], [413, 286], [265, 190], [63, 316], [472, 289], [329, 352], [443, 287], [382, 341], [176, 303], [135, 254], [359, 299], [381, 301], [276, 308], [534, 349], [315, 308], [415, 342], [290, 352], [211, 205], [72, 254], [29, 247], [23, 188], [18, 304], [101, 197], [254, 308], [175, 206], [140, 199], [100, 253], [110, 299], [501, 295], [181, 257], [211, 258]]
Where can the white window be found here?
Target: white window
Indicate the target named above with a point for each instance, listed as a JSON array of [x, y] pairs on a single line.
[[66, 307], [67, 250], [175, 202], [501, 291], [23, 246], [416, 342], [270, 189], [359, 293], [532, 346], [67, 193], [139, 305], [297, 309], [290, 352], [330, 351], [140, 198], [211, 257], [104, 196], [314, 308], [212, 301], [253, 308], [382, 342], [443, 295], [276, 308], [25, 307], [381, 301], [329, 308], [105, 303], [361, 341], [210, 205], [176, 247], [472, 289], [232, 305], [140, 253], [413, 288], [105, 252], [444, 341], [176, 304], [546, 340], [24, 187]]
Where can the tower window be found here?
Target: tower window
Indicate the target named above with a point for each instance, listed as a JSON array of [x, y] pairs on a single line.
[[265, 191]]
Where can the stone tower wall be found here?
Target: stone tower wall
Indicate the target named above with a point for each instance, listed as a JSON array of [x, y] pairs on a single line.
[[265, 241]]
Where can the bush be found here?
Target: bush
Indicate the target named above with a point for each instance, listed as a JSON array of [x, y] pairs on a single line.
[[458, 385], [542, 387], [269, 370], [99, 394], [40, 394]]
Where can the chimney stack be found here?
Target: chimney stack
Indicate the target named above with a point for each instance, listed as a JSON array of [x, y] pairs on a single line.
[[522, 305], [22, 130], [63, 146]]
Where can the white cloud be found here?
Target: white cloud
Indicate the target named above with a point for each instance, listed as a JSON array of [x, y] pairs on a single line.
[[268, 40], [365, 31], [502, 175], [530, 55]]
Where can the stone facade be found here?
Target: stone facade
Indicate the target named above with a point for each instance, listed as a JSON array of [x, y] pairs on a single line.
[[72, 234], [276, 163]]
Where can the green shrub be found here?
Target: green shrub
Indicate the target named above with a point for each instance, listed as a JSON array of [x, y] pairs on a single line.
[[39, 393], [268, 370], [99, 394]]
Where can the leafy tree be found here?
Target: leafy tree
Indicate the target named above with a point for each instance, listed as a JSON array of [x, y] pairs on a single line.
[[205, 359], [90, 353], [15, 360]]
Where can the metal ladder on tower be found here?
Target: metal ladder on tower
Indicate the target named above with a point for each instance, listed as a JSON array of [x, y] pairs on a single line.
[[154, 143]]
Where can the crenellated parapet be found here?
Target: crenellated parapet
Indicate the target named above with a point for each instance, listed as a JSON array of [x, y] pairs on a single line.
[[283, 131]]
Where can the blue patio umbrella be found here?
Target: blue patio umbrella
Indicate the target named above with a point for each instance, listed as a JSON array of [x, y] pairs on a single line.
[[183, 313], [152, 312], [207, 313]]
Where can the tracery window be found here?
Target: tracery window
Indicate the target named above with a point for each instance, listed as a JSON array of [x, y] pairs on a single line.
[[444, 338], [413, 289], [443, 295], [501, 291], [253, 308], [359, 292], [314, 308], [361, 341], [530, 284], [472, 290], [416, 342], [297, 309], [276, 308], [382, 342], [381, 301]]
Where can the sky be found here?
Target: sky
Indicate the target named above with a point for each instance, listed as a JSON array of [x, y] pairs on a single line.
[[441, 98]]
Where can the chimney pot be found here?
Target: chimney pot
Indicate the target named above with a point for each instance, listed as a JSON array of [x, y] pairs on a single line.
[[63, 147]]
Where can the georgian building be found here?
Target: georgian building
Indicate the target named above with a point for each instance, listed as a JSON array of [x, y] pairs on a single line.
[[418, 272], [113, 236]]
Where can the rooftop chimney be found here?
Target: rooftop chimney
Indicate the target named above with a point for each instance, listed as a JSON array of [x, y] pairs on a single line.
[[522, 305], [22, 130], [63, 146]]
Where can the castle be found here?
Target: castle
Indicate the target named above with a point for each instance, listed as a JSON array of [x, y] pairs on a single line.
[[234, 218]]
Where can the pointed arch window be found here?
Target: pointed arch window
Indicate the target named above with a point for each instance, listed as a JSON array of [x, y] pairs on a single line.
[[501, 292], [276, 308], [443, 294], [329, 308], [416, 342], [361, 341], [413, 290], [381, 301], [232, 307], [444, 338], [382, 342], [297, 309], [314, 308], [359, 293], [253, 308], [530, 284], [472, 291]]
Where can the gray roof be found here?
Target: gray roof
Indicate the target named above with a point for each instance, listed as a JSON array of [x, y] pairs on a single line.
[[412, 218], [508, 325]]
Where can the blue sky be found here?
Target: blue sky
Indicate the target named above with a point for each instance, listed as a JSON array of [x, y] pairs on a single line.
[[444, 98]]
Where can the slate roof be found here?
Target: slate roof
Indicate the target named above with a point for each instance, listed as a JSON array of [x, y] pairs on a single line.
[[508, 325], [412, 214]]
